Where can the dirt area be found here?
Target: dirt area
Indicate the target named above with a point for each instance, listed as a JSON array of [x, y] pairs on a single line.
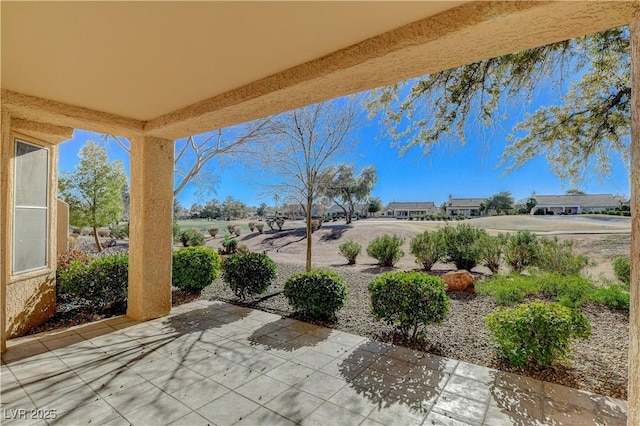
[[600, 238]]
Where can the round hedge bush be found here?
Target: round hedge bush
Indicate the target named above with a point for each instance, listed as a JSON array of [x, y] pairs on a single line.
[[409, 300], [537, 333], [194, 268], [316, 294], [248, 273]]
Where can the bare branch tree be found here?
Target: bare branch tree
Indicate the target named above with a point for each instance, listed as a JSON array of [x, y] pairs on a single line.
[[307, 142], [194, 155]]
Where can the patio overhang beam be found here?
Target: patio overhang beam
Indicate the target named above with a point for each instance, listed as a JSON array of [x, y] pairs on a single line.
[[459, 36]]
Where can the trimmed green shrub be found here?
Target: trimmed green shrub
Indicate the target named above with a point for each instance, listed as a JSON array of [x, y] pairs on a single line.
[[409, 300], [386, 249], [248, 274], [614, 295], [508, 290], [536, 334], [559, 257], [101, 283], [522, 250], [350, 249], [569, 290], [230, 245], [491, 251], [428, 248], [463, 245], [191, 238], [194, 268], [316, 294], [622, 269], [120, 231]]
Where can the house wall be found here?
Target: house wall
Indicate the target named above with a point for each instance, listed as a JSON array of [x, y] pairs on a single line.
[[31, 296]]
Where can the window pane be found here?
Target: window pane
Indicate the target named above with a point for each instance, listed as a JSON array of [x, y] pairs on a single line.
[[30, 239], [31, 175]]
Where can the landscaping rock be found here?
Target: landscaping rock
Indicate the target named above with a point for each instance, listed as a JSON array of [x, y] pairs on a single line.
[[460, 280]]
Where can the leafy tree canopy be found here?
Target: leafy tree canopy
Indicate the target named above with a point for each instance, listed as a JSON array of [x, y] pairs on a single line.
[[94, 190], [500, 202], [346, 189], [577, 135]]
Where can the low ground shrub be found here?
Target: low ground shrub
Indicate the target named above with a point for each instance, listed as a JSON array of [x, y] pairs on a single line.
[[101, 283], [463, 245], [508, 290], [248, 274], [386, 249], [409, 300], [613, 295], [536, 334], [194, 268], [350, 249], [66, 257], [428, 248], [316, 294], [622, 269], [569, 290], [176, 232], [491, 249], [120, 231], [229, 244], [559, 257], [522, 250], [191, 238]]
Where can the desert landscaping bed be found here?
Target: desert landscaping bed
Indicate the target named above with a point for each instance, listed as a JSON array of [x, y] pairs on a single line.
[[599, 364]]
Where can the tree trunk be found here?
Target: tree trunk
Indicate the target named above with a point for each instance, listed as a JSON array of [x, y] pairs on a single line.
[[97, 239], [308, 217]]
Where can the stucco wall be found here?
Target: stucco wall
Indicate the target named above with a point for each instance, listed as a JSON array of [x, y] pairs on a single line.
[[30, 302]]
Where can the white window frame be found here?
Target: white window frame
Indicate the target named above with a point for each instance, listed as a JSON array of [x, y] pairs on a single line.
[[45, 208]]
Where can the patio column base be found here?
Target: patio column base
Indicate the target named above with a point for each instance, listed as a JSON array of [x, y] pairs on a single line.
[[150, 228]]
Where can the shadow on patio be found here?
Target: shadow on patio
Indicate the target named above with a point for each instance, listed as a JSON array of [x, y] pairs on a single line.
[[213, 362]]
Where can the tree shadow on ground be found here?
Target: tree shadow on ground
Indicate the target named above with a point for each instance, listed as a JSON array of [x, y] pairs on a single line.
[[337, 231], [288, 334], [385, 381], [107, 354]]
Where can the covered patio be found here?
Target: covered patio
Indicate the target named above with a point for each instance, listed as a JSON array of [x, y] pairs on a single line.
[[216, 363], [155, 72]]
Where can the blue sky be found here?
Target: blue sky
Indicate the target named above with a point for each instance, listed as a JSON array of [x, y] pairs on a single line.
[[468, 171]]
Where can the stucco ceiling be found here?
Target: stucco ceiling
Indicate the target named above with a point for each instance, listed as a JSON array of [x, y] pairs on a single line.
[[144, 59]]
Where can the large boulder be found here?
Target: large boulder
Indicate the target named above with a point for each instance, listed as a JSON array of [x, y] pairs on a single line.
[[459, 280]]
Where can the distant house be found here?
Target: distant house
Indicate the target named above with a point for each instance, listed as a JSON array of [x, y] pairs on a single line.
[[576, 204], [336, 211], [469, 207], [410, 209]]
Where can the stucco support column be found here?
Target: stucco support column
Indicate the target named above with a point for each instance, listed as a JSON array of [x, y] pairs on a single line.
[[150, 228], [634, 311], [5, 137]]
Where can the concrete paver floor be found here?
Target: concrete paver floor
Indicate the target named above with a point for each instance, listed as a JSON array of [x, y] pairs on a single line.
[[220, 364]]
